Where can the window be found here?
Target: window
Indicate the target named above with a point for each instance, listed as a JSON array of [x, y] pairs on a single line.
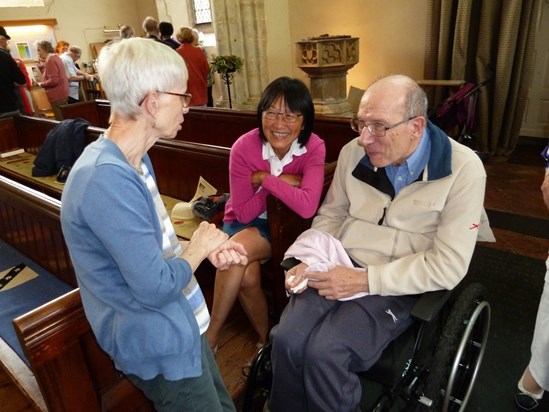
[[202, 11]]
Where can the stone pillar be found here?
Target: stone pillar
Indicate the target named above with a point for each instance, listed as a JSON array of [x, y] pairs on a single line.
[[240, 30], [326, 60]]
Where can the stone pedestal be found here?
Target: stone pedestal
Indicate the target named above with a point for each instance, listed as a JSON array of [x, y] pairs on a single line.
[[326, 60]]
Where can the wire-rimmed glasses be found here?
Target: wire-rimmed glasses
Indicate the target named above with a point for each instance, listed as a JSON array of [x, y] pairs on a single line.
[[375, 129]]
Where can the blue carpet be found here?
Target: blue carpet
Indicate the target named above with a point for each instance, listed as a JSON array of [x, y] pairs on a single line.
[[23, 298]]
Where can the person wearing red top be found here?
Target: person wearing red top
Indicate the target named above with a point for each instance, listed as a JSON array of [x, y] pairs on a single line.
[[55, 78], [282, 158], [197, 66]]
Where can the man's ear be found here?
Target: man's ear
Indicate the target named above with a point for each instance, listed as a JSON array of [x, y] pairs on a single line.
[[419, 124]]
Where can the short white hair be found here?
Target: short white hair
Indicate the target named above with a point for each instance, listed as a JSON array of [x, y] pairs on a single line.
[[132, 68]]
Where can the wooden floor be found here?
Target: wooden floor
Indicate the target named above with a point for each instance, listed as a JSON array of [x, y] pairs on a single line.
[[512, 187]]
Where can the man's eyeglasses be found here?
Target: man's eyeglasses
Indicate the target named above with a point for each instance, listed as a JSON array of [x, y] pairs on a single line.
[[376, 129], [287, 117], [185, 97]]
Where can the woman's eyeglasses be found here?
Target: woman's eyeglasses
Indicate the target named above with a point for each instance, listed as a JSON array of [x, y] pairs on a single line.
[[185, 97], [286, 117]]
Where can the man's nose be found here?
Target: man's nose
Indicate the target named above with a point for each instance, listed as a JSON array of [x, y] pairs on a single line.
[[366, 137]]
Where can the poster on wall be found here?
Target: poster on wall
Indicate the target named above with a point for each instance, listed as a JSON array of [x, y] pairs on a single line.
[[24, 51]]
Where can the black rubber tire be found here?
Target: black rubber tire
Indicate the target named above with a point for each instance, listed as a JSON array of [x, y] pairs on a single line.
[[259, 381], [450, 339]]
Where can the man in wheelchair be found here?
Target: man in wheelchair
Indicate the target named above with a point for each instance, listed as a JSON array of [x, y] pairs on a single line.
[[401, 218]]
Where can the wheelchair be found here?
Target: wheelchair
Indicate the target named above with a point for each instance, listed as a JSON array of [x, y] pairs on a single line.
[[432, 366]]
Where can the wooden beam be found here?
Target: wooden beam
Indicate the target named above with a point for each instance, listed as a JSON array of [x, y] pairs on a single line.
[[29, 22]]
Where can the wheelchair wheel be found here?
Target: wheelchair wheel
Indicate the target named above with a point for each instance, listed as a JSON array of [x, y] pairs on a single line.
[[259, 381], [459, 352]]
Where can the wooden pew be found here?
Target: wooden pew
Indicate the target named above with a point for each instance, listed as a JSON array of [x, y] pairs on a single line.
[[221, 127], [72, 371], [96, 112], [30, 221], [57, 342], [178, 166]]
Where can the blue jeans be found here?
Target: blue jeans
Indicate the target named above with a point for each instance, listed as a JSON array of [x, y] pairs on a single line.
[[203, 393]]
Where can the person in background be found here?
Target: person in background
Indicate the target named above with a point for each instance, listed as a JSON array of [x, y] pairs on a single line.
[[126, 32], [136, 278], [282, 158], [197, 65], [209, 78], [166, 32], [11, 77], [402, 217], [54, 77], [27, 107], [535, 378], [74, 74], [61, 47], [150, 27]]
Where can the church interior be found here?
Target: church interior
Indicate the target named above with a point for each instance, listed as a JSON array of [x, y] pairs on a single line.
[[49, 357]]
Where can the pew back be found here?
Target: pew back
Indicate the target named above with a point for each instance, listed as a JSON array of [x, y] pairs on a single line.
[[221, 127]]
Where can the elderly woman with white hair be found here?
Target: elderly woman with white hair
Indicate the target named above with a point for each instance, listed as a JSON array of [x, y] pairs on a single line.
[[136, 279]]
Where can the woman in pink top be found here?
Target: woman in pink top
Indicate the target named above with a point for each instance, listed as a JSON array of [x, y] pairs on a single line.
[[55, 80], [282, 158]]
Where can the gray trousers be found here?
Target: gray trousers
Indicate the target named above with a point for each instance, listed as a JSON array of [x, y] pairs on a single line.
[[320, 345], [203, 393]]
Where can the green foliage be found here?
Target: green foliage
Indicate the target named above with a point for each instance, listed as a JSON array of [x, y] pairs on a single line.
[[226, 64]]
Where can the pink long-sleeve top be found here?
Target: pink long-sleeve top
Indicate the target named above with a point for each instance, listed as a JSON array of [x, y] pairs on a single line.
[[247, 202], [55, 79]]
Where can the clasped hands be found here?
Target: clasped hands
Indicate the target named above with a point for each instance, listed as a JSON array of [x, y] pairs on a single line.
[[338, 282], [214, 244]]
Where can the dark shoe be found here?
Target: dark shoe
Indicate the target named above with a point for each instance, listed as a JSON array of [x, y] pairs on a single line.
[[63, 174], [247, 366], [526, 401]]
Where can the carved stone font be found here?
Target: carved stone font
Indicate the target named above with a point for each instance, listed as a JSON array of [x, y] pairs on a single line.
[[326, 60]]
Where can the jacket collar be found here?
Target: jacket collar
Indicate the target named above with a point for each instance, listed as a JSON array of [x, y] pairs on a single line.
[[438, 166]]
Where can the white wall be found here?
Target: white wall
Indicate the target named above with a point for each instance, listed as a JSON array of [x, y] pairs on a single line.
[[82, 22]]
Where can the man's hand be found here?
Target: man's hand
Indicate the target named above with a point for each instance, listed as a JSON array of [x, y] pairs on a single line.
[[339, 282], [293, 277], [228, 254]]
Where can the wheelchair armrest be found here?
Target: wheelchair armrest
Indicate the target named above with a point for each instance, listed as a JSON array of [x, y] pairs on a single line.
[[430, 304], [289, 263]]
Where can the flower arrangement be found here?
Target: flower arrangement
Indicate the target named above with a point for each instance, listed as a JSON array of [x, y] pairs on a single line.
[[226, 64]]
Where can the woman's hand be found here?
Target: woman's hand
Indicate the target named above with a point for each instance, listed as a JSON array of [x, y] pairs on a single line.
[[228, 254], [206, 238], [257, 177], [292, 180]]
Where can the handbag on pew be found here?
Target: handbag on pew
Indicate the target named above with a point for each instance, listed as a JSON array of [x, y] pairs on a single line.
[[210, 208]]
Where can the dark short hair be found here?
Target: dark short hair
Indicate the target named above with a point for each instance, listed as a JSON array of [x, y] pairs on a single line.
[[165, 28], [298, 99]]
